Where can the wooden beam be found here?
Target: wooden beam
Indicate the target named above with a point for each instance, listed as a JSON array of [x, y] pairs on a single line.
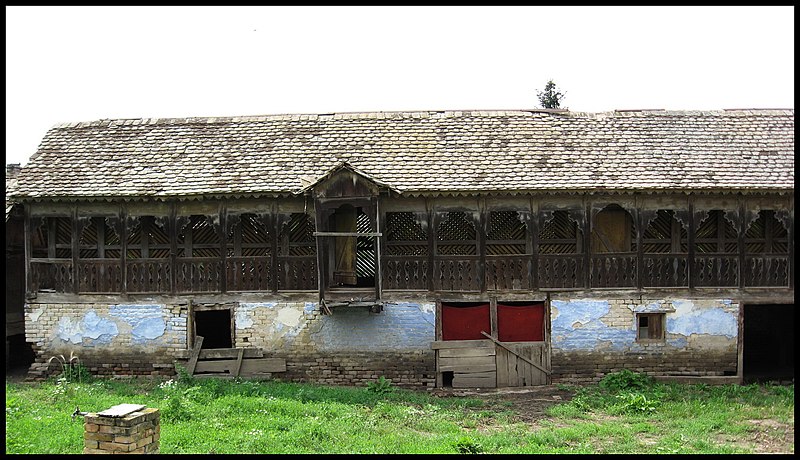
[[587, 244], [378, 246], [190, 366], [533, 242], [222, 234], [692, 272], [431, 243], [28, 244], [222, 353], [481, 227], [438, 345], [249, 367], [123, 245], [515, 353], [465, 352], [238, 366], [740, 239], [190, 323], [76, 249], [639, 223], [173, 244]]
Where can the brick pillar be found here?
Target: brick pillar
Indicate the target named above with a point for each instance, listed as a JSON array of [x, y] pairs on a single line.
[[136, 432]]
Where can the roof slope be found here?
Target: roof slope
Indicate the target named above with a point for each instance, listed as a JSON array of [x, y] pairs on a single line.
[[418, 152]]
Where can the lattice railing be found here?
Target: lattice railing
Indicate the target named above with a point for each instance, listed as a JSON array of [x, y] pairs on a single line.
[[716, 270], [99, 275], [405, 272], [561, 271], [665, 270], [507, 273], [149, 275], [51, 275], [613, 270]]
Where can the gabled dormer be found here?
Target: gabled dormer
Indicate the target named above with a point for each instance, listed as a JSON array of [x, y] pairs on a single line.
[[348, 237]]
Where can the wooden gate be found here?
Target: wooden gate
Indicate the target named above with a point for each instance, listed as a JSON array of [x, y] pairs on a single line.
[[522, 364], [490, 363]]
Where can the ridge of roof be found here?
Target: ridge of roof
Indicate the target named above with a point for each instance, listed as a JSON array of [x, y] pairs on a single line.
[[422, 114]]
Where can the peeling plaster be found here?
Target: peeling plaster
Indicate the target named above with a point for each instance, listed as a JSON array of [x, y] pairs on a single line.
[[688, 320], [149, 328], [91, 330], [244, 314], [147, 321], [428, 310], [69, 331], [35, 314], [655, 307], [289, 317], [309, 308], [577, 326]]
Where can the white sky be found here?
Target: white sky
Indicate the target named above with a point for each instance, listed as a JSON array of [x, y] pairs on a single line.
[[68, 64]]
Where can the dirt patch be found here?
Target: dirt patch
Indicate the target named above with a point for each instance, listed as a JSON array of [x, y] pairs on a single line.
[[530, 404], [771, 436]]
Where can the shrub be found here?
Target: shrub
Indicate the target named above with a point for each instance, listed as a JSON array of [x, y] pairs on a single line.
[[184, 377], [466, 445], [381, 386], [176, 410], [635, 403], [626, 380]]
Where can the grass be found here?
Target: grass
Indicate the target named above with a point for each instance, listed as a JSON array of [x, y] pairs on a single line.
[[624, 414]]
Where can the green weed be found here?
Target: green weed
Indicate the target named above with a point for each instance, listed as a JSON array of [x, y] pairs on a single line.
[[381, 386]]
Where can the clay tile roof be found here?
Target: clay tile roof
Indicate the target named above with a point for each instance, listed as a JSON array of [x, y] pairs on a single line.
[[418, 153]]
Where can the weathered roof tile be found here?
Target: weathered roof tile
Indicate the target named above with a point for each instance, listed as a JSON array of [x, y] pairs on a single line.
[[417, 152]]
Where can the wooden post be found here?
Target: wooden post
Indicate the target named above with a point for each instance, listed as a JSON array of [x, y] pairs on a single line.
[[639, 223], [790, 236], [481, 226], [533, 245], [238, 367], [378, 247], [173, 242], [198, 344], [322, 278], [223, 240], [274, 225], [28, 248], [691, 234], [438, 337], [740, 240], [587, 244], [431, 243], [123, 246], [75, 250], [190, 324]]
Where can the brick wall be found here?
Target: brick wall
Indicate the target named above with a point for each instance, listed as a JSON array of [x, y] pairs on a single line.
[[593, 337], [135, 433], [353, 346]]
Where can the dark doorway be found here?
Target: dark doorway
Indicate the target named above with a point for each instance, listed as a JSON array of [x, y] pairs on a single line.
[[19, 353], [215, 328], [768, 346]]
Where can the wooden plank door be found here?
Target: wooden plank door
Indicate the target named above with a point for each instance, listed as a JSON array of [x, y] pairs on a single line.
[[513, 371]]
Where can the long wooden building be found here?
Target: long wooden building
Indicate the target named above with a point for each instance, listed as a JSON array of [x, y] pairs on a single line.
[[450, 248]]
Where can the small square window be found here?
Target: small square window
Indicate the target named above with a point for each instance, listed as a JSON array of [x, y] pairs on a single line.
[[650, 326]]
